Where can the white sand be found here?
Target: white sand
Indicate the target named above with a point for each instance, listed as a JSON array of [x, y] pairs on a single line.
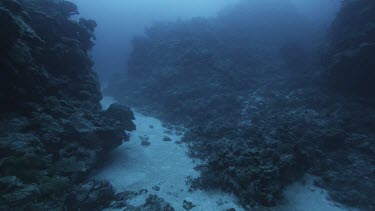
[[163, 164], [308, 197], [166, 165]]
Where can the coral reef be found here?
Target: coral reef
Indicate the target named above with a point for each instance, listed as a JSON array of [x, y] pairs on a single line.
[[258, 118], [52, 129]]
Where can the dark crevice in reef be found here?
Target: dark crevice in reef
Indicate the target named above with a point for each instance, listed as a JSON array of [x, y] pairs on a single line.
[[261, 108], [52, 129]]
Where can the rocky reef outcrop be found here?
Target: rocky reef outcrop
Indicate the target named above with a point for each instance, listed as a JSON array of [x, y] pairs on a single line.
[[259, 106], [52, 129], [352, 48]]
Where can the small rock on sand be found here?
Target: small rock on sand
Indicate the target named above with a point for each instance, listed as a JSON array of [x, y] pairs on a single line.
[[166, 138], [188, 205]]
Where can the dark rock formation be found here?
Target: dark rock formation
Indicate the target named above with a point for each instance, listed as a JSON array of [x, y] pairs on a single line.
[[52, 129], [259, 119], [352, 48]]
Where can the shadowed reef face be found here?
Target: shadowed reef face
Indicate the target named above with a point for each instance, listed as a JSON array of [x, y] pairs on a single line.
[[352, 49], [53, 132]]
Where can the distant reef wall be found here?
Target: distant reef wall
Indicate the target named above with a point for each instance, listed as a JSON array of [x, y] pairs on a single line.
[[257, 101], [52, 129]]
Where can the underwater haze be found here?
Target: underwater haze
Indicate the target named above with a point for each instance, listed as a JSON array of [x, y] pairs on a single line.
[[201, 105], [120, 20]]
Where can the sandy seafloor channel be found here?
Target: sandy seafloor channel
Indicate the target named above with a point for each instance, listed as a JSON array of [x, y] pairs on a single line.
[[165, 164]]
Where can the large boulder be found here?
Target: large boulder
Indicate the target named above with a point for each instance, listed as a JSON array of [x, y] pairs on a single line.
[[121, 114]]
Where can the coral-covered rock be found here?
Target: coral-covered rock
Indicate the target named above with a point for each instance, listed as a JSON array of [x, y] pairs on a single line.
[[52, 129]]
